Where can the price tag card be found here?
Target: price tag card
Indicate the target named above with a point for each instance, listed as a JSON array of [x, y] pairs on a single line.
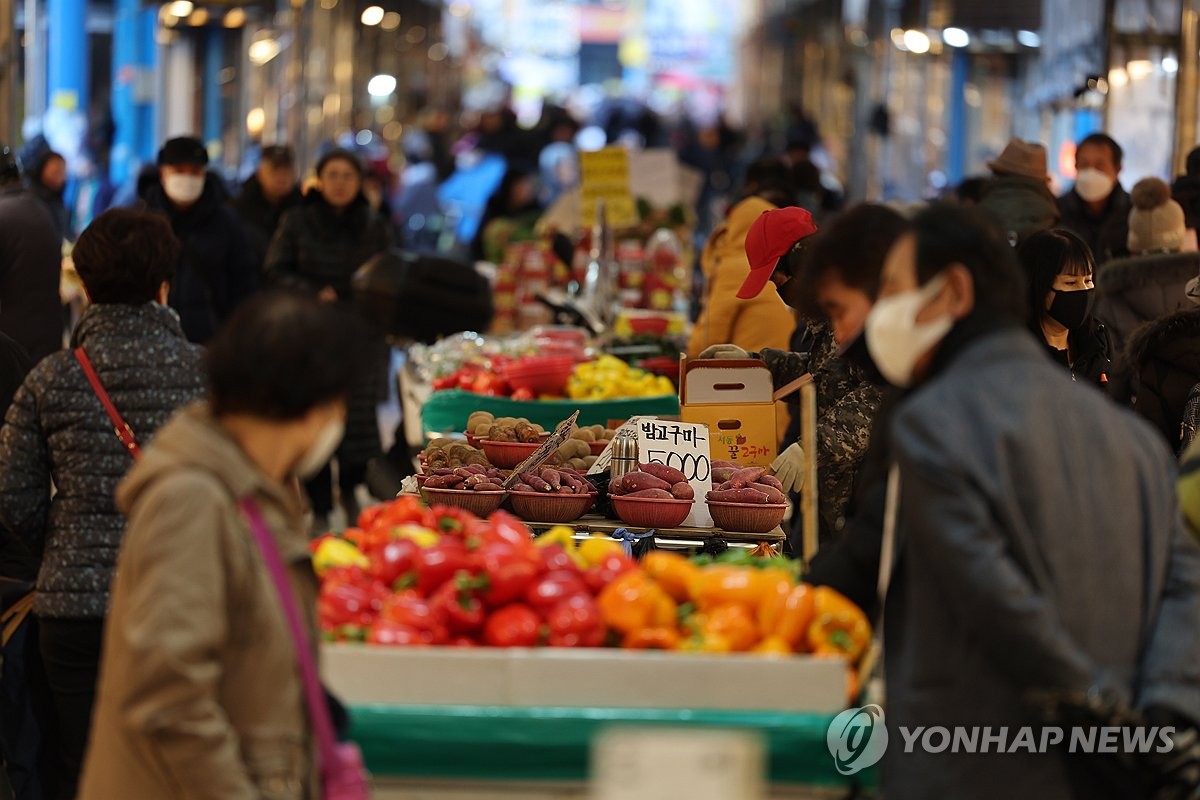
[[683, 446], [642, 764]]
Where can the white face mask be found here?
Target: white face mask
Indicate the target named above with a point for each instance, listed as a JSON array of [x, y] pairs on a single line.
[[183, 189], [321, 450], [894, 337], [1093, 185]]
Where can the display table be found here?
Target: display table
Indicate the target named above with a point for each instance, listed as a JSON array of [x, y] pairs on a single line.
[[693, 536], [449, 410]]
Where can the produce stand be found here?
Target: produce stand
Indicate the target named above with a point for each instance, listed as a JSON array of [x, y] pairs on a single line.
[[449, 410], [440, 722]]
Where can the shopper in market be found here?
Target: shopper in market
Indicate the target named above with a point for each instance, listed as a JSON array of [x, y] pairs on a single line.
[[1152, 282], [200, 686], [58, 433], [1017, 196], [1060, 276], [510, 216], [1097, 207], [266, 196], [30, 266], [216, 270], [1186, 191], [1017, 532], [317, 249], [46, 172]]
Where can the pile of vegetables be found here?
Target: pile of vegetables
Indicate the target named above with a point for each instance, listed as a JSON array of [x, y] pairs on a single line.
[[416, 576], [472, 478], [734, 484], [610, 378], [653, 482], [552, 481]]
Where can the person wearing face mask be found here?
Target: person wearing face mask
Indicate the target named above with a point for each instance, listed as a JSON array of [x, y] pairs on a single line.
[[1029, 507], [199, 685], [317, 249], [267, 195], [1097, 207], [216, 269], [1060, 275], [57, 433]]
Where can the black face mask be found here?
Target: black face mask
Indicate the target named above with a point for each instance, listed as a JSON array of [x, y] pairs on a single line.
[[1072, 309], [858, 354]]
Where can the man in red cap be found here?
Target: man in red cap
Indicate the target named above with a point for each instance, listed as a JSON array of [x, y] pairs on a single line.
[[775, 234]]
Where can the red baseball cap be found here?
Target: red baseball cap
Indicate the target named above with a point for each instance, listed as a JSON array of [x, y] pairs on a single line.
[[770, 238]]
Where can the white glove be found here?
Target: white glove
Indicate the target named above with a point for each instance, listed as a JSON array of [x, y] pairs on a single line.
[[723, 351], [789, 468]]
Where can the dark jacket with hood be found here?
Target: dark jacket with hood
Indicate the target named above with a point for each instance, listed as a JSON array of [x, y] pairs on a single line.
[[316, 247], [1089, 353], [1021, 206], [260, 216], [1186, 192], [1107, 235], [216, 269], [56, 430], [33, 157], [1160, 366], [30, 270], [1139, 289]]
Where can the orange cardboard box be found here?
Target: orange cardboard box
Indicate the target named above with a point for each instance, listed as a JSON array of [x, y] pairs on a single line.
[[735, 399]]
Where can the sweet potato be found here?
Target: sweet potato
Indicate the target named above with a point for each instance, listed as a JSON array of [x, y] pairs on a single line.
[[444, 482], [771, 480], [683, 491], [522, 487], [637, 481], [663, 472], [538, 484], [726, 465], [552, 477], [722, 474], [744, 477], [746, 495], [771, 492], [652, 494], [489, 487]]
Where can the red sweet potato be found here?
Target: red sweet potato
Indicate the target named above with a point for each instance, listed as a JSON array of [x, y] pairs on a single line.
[[652, 494], [522, 487], [722, 474], [738, 496], [444, 482], [552, 477], [771, 492], [726, 465], [538, 484], [771, 480], [662, 471], [489, 487], [744, 477], [683, 491], [637, 481]]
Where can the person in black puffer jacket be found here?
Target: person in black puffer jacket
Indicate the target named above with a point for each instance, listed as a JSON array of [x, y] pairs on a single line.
[[1160, 366], [57, 431], [217, 268], [318, 248]]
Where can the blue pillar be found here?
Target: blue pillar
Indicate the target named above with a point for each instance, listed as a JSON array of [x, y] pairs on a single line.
[[214, 40], [67, 55], [134, 51], [956, 157], [1087, 121]]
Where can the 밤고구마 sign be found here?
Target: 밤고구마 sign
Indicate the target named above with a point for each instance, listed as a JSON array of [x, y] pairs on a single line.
[[683, 446]]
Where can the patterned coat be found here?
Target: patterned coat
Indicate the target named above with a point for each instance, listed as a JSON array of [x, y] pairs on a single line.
[[847, 404], [56, 430]]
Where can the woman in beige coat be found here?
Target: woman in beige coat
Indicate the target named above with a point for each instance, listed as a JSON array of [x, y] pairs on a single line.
[[199, 693]]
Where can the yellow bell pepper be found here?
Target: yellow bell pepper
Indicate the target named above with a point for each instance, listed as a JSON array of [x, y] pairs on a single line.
[[334, 552]]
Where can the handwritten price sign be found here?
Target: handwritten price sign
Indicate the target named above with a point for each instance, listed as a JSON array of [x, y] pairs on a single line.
[[683, 446]]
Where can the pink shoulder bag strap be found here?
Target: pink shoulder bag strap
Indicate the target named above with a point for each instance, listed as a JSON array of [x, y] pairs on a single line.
[[342, 774]]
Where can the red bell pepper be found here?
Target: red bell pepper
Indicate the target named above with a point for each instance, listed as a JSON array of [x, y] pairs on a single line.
[[553, 588], [435, 565], [394, 560], [608, 570], [508, 572], [387, 632], [504, 527], [462, 641], [576, 622], [341, 603], [555, 559], [513, 626], [411, 610], [401, 511], [447, 520], [459, 606]]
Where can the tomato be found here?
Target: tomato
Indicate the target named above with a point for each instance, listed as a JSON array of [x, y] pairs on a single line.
[[513, 626]]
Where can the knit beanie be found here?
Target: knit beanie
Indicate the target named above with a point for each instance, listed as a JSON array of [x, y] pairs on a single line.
[[1156, 223]]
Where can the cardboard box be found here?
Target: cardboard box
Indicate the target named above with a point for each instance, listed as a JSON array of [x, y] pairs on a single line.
[[736, 400], [581, 678]]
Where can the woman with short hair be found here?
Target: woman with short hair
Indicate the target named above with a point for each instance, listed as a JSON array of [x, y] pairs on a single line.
[[57, 431]]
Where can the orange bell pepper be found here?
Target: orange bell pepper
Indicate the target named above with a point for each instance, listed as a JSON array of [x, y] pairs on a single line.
[[839, 627], [772, 646], [673, 572], [787, 612], [633, 602], [652, 639], [734, 623], [724, 585]]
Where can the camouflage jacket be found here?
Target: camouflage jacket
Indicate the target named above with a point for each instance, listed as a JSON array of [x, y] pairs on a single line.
[[846, 406]]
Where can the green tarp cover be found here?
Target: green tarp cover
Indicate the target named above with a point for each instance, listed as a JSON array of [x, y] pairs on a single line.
[[448, 411], [496, 743]]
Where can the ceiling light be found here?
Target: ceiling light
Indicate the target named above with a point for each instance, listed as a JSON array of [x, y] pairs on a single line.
[[263, 51], [1170, 65], [1118, 77], [1029, 39], [234, 18], [372, 15], [956, 37], [916, 41], [1140, 68], [391, 21], [381, 86], [180, 8]]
